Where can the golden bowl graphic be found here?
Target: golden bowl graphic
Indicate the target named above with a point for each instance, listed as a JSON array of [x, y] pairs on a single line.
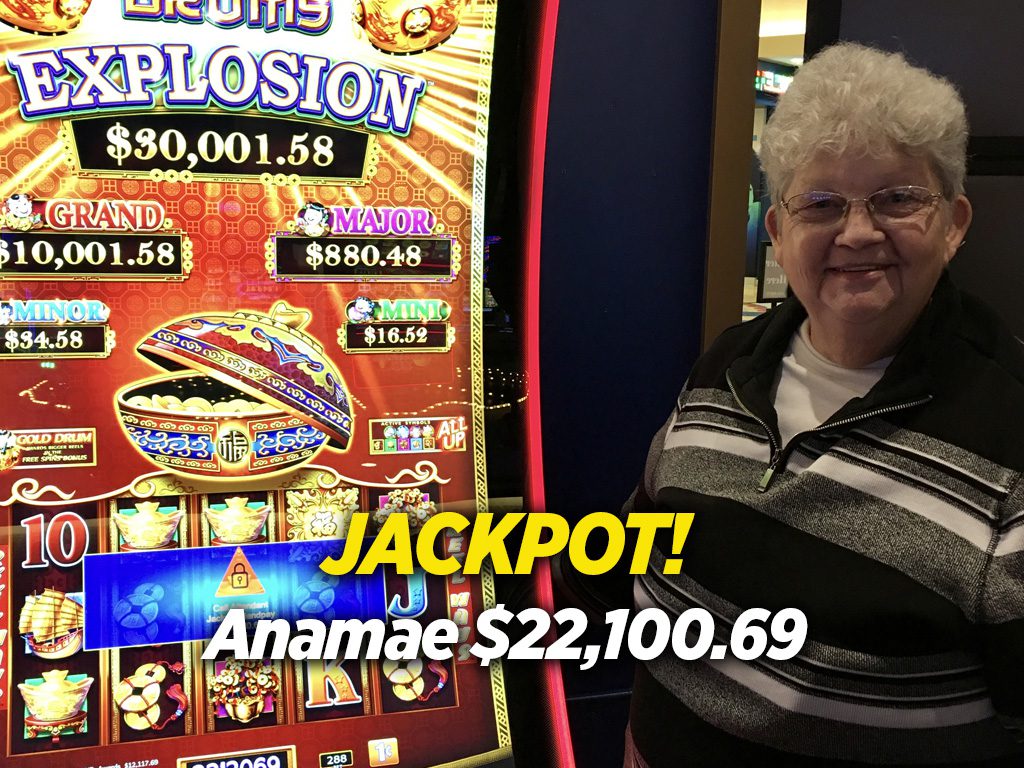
[[241, 687], [212, 443], [43, 17], [260, 397], [56, 698], [148, 528], [246, 708], [238, 523], [406, 26]]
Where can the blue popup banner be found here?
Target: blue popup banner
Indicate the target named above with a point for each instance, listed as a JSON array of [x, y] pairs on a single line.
[[180, 595]]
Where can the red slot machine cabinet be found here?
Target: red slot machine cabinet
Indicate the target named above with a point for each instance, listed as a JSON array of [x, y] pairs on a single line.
[[241, 266]]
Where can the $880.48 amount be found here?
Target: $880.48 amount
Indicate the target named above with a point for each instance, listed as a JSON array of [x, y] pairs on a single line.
[[333, 255]]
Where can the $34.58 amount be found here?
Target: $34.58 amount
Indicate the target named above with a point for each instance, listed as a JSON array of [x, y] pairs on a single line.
[[41, 341]]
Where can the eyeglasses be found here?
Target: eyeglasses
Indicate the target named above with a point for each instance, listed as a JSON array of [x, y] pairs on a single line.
[[885, 205]]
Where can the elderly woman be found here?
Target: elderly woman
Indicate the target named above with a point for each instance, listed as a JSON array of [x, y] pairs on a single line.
[[854, 453]]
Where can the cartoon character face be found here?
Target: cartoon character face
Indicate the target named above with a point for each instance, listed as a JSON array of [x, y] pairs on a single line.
[[312, 217], [403, 432], [19, 205], [415, 432], [428, 430], [389, 431], [361, 310]]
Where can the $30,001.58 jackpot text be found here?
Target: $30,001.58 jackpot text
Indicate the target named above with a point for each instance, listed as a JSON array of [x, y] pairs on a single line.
[[216, 146]]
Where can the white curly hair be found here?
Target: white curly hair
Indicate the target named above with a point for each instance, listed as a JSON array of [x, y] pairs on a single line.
[[852, 98]]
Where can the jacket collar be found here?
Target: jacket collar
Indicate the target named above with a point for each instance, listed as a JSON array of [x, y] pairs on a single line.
[[912, 375]]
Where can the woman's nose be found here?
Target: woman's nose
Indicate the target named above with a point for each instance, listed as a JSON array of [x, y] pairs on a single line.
[[858, 227]]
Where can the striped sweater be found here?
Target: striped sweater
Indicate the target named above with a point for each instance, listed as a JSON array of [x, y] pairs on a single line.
[[897, 527]]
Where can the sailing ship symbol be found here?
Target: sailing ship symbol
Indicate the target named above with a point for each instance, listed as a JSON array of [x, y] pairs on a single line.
[[51, 624]]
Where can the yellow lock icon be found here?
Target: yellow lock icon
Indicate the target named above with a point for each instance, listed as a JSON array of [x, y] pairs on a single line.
[[239, 577]]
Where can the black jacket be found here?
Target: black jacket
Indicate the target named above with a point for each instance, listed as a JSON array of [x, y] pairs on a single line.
[[897, 527]]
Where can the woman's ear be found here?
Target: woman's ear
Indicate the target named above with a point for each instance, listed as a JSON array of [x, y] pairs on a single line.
[[961, 214], [771, 223]]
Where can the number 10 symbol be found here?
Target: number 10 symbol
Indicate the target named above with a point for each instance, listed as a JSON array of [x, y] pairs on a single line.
[[63, 541]]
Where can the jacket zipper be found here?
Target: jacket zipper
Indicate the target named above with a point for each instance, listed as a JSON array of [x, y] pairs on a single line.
[[778, 456], [774, 450]]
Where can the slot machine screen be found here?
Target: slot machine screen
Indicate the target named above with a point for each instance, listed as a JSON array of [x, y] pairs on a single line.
[[241, 264]]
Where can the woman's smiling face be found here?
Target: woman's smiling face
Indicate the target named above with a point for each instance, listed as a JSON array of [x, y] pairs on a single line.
[[859, 270]]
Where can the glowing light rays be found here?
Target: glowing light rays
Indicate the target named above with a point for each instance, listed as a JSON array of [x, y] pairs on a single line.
[[417, 161], [44, 163], [447, 131]]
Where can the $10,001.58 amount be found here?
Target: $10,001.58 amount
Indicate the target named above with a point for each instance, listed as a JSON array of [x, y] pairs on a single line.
[[65, 255]]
